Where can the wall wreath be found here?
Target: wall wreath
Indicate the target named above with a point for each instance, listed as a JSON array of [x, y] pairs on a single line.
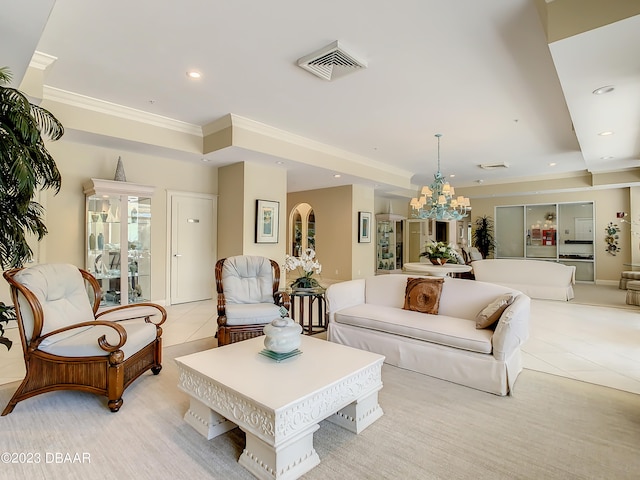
[[611, 238]]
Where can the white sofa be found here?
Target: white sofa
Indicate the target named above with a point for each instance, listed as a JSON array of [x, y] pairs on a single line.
[[368, 314], [536, 278]]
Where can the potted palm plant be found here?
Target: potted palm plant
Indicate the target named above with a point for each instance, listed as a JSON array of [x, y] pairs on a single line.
[[483, 237], [26, 167]]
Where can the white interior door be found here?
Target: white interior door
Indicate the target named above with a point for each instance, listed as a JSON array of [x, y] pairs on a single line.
[[193, 247]]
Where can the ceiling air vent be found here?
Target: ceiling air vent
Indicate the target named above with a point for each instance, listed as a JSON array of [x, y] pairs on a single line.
[[331, 62], [493, 166]]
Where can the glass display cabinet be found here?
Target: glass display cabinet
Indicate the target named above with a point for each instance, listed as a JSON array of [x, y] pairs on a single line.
[[118, 239], [389, 243]]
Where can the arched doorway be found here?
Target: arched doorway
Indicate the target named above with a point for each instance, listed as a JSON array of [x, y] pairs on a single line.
[[302, 233]]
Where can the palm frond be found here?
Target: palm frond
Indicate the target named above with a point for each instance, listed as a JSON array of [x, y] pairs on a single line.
[[25, 167], [5, 75]]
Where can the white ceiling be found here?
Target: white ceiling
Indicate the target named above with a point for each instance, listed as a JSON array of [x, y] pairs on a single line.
[[480, 73]]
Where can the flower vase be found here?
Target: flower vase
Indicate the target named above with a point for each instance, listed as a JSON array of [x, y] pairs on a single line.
[[438, 261]]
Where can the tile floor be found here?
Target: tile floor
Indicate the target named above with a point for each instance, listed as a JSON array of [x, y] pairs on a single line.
[[592, 343]]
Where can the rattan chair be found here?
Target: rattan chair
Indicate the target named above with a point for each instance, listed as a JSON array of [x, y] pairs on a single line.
[[248, 296], [68, 345]]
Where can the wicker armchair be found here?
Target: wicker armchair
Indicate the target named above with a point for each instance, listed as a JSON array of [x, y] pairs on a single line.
[[248, 296], [69, 346]]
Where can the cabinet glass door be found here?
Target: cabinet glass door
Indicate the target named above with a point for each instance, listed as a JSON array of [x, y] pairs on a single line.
[[104, 245], [139, 257], [118, 251], [389, 243]]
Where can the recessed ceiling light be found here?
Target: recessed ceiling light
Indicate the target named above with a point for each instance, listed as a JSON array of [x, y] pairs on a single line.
[[604, 134], [206, 160], [337, 175], [280, 162], [194, 74], [552, 164], [608, 157], [603, 90], [452, 175]]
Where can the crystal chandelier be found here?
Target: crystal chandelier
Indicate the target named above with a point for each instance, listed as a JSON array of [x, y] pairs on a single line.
[[438, 200]]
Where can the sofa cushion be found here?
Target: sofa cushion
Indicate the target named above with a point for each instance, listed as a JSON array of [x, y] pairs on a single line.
[[423, 295], [490, 314], [441, 329], [386, 290]]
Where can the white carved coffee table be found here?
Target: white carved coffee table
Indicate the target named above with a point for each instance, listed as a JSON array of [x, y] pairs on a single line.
[[279, 405]]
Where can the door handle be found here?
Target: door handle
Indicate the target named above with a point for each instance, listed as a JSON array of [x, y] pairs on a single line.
[[178, 255]]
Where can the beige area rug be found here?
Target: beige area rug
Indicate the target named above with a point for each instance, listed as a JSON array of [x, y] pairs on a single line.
[[552, 428]]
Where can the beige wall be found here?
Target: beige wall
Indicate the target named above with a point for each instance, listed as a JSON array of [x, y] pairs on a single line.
[[334, 228], [634, 224], [399, 206], [606, 203], [364, 254], [240, 186], [230, 210], [65, 212], [264, 183], [565, 18]]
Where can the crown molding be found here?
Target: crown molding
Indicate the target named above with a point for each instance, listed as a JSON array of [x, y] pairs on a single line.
[[100, 106], [300, 141], [217, 125], [41, 61]]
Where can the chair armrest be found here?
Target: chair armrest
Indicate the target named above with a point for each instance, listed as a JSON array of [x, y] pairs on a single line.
[[221, 305], [102, 341], [137, 310], [283, 299]]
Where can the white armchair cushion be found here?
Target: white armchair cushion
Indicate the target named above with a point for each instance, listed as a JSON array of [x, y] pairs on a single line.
[[85, 343], [251, 313], [247, 279], [61, 291]]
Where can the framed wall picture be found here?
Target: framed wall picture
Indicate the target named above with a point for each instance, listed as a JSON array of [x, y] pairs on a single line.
[[267, 217], [364, 227]]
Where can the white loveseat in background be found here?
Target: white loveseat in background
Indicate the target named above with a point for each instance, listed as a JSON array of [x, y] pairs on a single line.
[[368, 314], [535, 278]]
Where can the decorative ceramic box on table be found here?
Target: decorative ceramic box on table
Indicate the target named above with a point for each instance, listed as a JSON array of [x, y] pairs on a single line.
[[282, 335]]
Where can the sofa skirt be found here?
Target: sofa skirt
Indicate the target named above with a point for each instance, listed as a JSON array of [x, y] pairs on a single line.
[[476, 370]]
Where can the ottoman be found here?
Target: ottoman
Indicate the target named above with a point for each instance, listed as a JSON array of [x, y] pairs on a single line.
[[626, 277], [633, 292]]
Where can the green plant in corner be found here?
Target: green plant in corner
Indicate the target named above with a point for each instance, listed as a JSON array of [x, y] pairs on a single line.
[[483, 238], [26, 167]]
